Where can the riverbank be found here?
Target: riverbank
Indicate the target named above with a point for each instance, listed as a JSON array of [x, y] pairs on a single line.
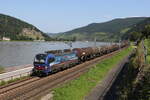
[[13, 68], [79, 88]]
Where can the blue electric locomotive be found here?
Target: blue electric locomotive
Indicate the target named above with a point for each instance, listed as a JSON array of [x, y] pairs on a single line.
[[47, 62]]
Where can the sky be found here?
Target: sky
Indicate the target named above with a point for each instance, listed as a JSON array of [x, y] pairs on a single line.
[[55, 16]]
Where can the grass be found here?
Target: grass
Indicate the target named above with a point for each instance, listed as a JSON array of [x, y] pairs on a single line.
[[148, 59], [147, 44], [12, 80], [79, 88]]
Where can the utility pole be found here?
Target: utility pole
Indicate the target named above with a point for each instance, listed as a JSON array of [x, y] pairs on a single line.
[[5, 26], [95, 41], [119, 43], [70, 44]]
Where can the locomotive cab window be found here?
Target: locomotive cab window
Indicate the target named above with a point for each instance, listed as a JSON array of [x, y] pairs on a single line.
[[40, 59], [50, 60]]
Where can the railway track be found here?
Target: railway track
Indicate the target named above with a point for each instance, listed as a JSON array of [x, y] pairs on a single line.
[[17, 84], [30, 88]]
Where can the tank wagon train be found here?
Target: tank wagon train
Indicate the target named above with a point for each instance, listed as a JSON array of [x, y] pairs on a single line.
[[57, 60]]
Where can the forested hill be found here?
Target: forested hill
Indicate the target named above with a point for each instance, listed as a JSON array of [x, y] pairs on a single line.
[[141, 28], [141, 25], [107, 31], [17, 29]]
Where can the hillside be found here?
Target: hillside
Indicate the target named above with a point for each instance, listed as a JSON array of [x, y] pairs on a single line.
[[141, 25], [108, 31], [138, 30], [17, 29]]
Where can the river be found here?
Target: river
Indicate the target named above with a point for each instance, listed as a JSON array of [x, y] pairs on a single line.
[[21, 53]]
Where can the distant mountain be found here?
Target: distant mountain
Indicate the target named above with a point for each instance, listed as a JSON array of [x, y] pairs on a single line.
[[108, 31], [51, 34], [17, 29]]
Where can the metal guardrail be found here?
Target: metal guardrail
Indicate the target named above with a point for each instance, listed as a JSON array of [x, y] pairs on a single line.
[[15, 74]]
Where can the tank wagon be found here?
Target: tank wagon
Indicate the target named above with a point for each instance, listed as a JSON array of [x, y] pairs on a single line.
[[56, 60]]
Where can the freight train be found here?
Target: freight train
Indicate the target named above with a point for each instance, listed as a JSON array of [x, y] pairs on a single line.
[[57, 60]]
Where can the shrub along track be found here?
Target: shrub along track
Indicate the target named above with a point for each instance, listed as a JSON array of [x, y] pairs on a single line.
[[29, 89]]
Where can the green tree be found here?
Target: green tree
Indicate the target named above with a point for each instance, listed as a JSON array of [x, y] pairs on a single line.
[[135, 36], [37, 38], [146, 31]]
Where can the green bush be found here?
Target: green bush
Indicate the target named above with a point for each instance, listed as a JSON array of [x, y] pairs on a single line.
[[3, 83]]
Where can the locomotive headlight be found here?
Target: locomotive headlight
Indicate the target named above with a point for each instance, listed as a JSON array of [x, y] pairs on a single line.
[[83, 53], [46, 67], [35, 60]]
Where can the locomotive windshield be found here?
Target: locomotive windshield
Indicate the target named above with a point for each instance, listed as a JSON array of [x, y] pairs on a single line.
[[50, 60], [40, 59]]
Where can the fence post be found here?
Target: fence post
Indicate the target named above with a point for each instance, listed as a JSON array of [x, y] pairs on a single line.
[[11, 77], [20, 75]]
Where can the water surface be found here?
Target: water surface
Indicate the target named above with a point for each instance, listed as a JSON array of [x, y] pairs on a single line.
[[21, 53]]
